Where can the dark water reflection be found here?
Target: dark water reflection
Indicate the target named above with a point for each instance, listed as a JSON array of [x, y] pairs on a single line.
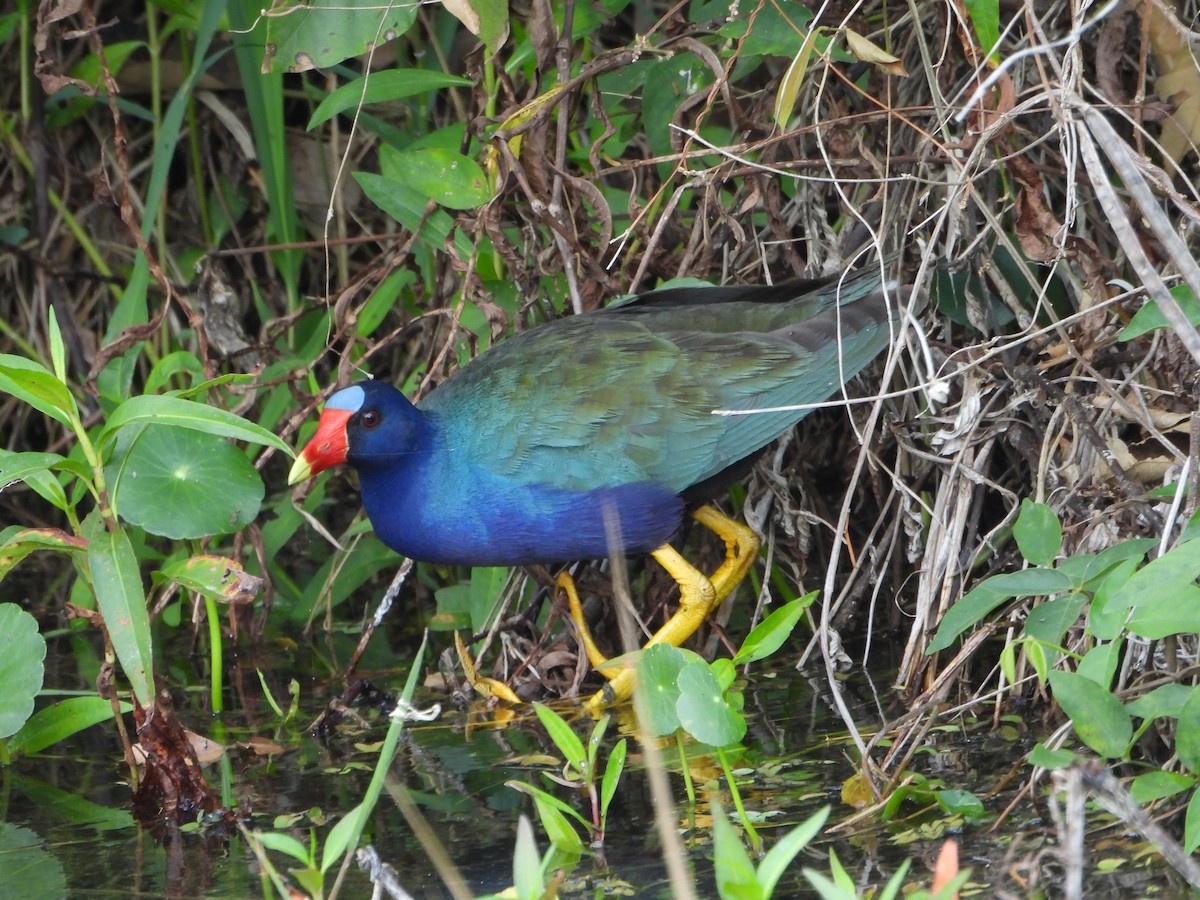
[[68, 810]]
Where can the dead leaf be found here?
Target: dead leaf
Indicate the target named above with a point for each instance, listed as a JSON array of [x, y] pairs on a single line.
[[870, 52]]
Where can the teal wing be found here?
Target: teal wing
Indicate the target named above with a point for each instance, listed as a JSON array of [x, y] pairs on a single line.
[[628, 394]]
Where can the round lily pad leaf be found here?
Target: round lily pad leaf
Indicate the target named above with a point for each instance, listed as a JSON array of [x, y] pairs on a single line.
[[22, 650], [703, 709], [181, 483], [658, 676]]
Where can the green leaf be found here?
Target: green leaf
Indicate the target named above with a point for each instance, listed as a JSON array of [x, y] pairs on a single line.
[[1191, 825], [1165, 701], [68, 716], [527, 865], [58, 353], [1171, 575], [406, 205], [340, 837], [121, 599], [29, 870], [1160, 615], [30, 382], [217, 577], [19, 466], [780, 856], [285, 843], [1048, 759], [382, 87], [991, 593], [320, 33], [612, 776], [772, 631], [1038, 533], [159, 410], [961, 803], [736, 879], [1100, 720], [1151, 786], [1100, 663], [1048, 622], [566, 740], [1187, 734], [537, 793], [185, 484], [658, 687], [22, 652], [558, 830], [985, 19], [445, 177], [20, 544], [1150, 318], [703, 711]]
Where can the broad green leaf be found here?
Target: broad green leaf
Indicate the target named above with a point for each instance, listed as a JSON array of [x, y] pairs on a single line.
[[1187, 734], [985, 19], [27, 869], [406, 205], [382, 87], [703, 711], [1151, 786], [1109, 609], [121, 599], [772, 631], [1159, 615], [982, 599], [444, 176], [1099, 719], [1191, 825], [658, 687], [30, 382], [962, 803], [1038, 533], [1165, 701], [185, 484], [1150, 318], [1100, 663], [22, 651], [68, 716], [317, 34], [1048, 759], [160, 410], [1168, 576], [1048, 621]]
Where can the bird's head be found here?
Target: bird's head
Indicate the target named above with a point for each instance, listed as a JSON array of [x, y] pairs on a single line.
[[367, 422]]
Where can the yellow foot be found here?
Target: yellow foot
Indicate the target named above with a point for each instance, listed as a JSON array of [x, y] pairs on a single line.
[[699, 595], [484, 686]]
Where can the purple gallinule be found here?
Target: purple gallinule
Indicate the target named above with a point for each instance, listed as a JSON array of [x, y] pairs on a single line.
[[596, 433]]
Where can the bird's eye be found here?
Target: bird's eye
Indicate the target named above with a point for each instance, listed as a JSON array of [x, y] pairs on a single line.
[[371, 418]]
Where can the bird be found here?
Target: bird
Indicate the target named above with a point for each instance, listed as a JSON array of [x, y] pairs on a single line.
[[601, 432]]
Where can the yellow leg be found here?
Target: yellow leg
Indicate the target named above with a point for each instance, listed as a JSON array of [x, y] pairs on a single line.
[[699, 595], [484, 686], [567, 585]]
